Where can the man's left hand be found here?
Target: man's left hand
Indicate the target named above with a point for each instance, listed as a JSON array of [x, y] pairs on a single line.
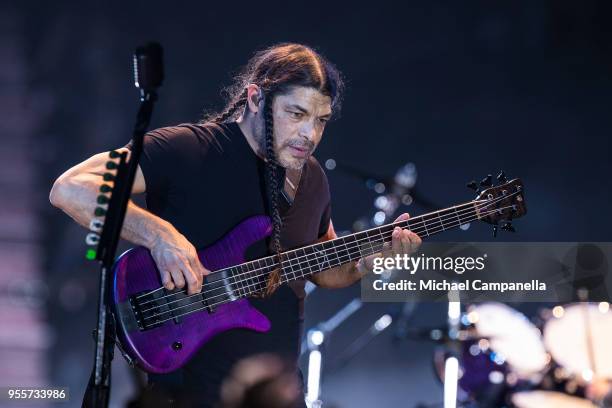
[[403, 241]]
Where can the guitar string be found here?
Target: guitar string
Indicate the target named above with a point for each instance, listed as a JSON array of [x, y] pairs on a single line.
[[281, 282], [222, 302], [416, 224], [235, 277], [291, 264], [469, 204]]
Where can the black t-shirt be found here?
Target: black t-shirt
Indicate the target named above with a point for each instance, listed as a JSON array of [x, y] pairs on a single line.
[[204, 182]]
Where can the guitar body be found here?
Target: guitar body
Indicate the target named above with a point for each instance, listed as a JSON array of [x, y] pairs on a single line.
[[169, 346]]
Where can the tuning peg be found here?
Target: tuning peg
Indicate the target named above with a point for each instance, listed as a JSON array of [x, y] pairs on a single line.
[[113, 154], [99, 212], [508, 227], [108, 177], [501, 177], [472, 185], [487, 181], [111, 165], [105, 188]]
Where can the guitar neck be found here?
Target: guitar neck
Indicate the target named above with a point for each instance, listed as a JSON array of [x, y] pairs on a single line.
[[305, 261]]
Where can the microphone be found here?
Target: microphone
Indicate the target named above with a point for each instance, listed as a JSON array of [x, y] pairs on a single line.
[[148, 67]]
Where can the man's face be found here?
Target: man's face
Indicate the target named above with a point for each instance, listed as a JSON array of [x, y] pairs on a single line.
[[299, 119]]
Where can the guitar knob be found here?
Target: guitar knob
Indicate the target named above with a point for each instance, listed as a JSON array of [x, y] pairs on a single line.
[[508, 227], [472, 185], [501, 177], [487, 181]]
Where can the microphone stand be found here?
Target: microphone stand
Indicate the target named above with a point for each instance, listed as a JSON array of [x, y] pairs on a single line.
[[148, 75]]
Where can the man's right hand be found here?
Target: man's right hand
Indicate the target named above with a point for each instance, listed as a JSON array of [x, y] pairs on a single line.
[[76, 191], [177, 261]]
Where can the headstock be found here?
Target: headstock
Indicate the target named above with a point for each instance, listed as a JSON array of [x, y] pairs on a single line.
[[501, 203]]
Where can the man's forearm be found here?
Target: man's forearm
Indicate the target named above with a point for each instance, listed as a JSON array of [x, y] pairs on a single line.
[[77, 198], [344, 275]]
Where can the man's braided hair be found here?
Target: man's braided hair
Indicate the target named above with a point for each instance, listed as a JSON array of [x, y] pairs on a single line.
[[276, 70]]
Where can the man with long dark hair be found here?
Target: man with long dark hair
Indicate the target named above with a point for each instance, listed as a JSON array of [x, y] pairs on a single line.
[[201, 179]]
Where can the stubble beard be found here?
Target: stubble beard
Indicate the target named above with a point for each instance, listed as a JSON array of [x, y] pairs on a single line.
[[260, 138]]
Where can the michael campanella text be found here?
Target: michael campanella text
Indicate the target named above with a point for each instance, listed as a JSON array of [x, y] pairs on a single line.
[[466, 285]]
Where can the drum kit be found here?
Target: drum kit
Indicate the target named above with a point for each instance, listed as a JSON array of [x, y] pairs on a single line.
[[504, 359], [508, 361]]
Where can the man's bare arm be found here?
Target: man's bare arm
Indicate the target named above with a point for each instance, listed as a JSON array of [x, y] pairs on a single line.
[[403, 241], [75, 192]]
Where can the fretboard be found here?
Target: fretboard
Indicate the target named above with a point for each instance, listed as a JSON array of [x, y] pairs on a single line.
[[250, 277]]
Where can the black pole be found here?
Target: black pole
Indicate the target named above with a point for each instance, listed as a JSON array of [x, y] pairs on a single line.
[[148, 75]]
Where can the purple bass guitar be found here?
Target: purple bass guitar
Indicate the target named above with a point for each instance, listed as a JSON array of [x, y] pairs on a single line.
[[160, 330]]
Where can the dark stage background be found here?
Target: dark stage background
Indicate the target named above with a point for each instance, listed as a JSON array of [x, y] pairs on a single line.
[[460, 89]]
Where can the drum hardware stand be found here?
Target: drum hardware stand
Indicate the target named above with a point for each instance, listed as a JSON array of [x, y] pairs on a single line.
[[583, 296], [319, 335], [314, 344], [379, 325], [148, 75], [452, 363]]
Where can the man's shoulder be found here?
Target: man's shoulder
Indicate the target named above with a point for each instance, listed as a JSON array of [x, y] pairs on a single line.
[[187, 136]]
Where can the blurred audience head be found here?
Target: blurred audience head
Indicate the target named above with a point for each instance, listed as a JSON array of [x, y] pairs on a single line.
[[262, 381]]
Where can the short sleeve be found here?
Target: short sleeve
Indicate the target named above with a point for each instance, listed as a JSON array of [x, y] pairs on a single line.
[[324, 195], [325, 220], [165, 151]]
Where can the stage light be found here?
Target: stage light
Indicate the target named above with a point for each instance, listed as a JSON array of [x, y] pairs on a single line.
[[451, 376], [314, 376], [474, 350], [383, 322], [472, 317], [558, 311], [317, 337], [496, 377], [454, 310], [379, 218], [381, 202], [330, 164], [604, 307]]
